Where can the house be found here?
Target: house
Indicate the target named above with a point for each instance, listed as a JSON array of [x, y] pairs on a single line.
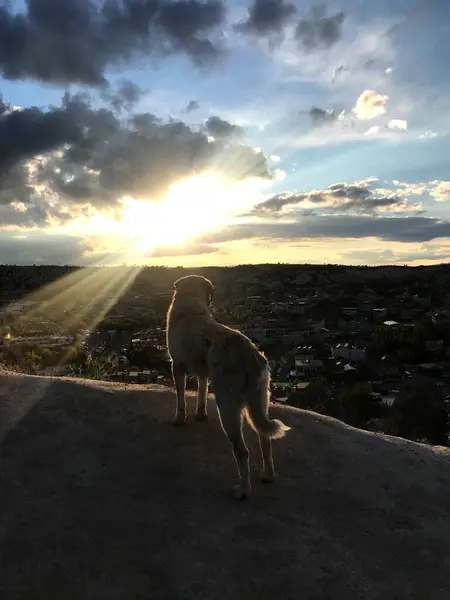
[[316, 326], [308, 369], [281, 390], [387, 399], [297, 308], [347, 323], [299, 394], [392, 324], [379, 314], [349, 353], [304, 353], [391, 366], [295, 337], [431, 368], [302, 386], [434, 346], [408, 313], [441, 319]]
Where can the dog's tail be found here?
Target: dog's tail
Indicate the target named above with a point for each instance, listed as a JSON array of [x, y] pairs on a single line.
[[257, 409]]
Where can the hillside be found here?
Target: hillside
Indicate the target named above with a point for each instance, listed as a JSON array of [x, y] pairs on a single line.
[[101, 497]]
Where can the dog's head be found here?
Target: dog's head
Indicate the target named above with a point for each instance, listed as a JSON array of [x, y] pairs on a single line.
[[195, 285]]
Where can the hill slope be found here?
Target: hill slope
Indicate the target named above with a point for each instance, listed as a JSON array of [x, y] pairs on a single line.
[[101, 497]]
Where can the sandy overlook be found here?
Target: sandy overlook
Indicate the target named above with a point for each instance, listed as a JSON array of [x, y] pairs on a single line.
[[101, 497]]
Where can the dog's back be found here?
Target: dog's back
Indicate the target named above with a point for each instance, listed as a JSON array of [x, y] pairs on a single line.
[[240, 376]]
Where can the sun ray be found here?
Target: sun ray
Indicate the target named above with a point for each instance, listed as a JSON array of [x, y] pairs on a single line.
[[81, 299]]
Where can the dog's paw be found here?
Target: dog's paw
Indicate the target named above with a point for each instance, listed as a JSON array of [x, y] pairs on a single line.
[[179, 419], [267, 475], [201, 416], [241, 492]]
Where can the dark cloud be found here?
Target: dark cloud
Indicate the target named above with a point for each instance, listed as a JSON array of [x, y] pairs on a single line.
[[31, 131], [266, 17], [78, 40], [125, 97], [35, 249], [38, 211], [185, 21], [186, 250], [425, 253], [320, 116], [318, 31], [391, 229], [4, 106], [349, 197], [76, 154], [221, 129], [193, 105], [339, 72], [14, 185]]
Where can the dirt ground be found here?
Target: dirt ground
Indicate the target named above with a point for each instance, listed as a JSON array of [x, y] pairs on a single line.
[[102, 498]]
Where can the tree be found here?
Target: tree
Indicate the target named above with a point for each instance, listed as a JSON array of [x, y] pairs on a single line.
[[94, 368], [356, 406], [419, 414], [316, 397]]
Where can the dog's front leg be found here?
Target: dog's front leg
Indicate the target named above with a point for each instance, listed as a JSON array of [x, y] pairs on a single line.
[[202, 396], [179, 378]]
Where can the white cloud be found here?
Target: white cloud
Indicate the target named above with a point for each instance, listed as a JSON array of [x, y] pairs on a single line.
[[389, 70], [398, 124], [279, 174], [370, 105], [441, 191], [274, 158], [405, 189], [372, 130], [428, 135]]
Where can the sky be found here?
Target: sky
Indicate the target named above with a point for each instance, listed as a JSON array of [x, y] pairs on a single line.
[[222, 132]]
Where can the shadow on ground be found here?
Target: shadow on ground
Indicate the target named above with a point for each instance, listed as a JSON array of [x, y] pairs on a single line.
[[101, 497]]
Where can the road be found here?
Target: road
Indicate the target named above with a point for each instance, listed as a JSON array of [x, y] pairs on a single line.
[[113, 344]]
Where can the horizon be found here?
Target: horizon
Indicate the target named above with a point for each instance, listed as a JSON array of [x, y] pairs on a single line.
[[137, 267], [202, 133]]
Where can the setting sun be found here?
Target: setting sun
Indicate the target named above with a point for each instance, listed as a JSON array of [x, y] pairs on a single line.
[[194, 205], [191, 206]]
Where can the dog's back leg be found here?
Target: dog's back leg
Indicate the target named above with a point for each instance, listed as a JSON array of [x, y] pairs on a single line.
[[202, 397], [179, 378], [230, 414], [268, 470]]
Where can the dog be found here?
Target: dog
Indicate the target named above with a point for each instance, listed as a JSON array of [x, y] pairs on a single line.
[[198, 345]]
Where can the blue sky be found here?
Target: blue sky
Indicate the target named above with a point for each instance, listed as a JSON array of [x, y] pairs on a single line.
[[286, 99]]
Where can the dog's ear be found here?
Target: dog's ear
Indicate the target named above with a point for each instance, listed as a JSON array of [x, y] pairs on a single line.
[[178, 282]]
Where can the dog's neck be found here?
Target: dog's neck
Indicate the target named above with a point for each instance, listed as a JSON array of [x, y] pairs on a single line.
[[188, 304]]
